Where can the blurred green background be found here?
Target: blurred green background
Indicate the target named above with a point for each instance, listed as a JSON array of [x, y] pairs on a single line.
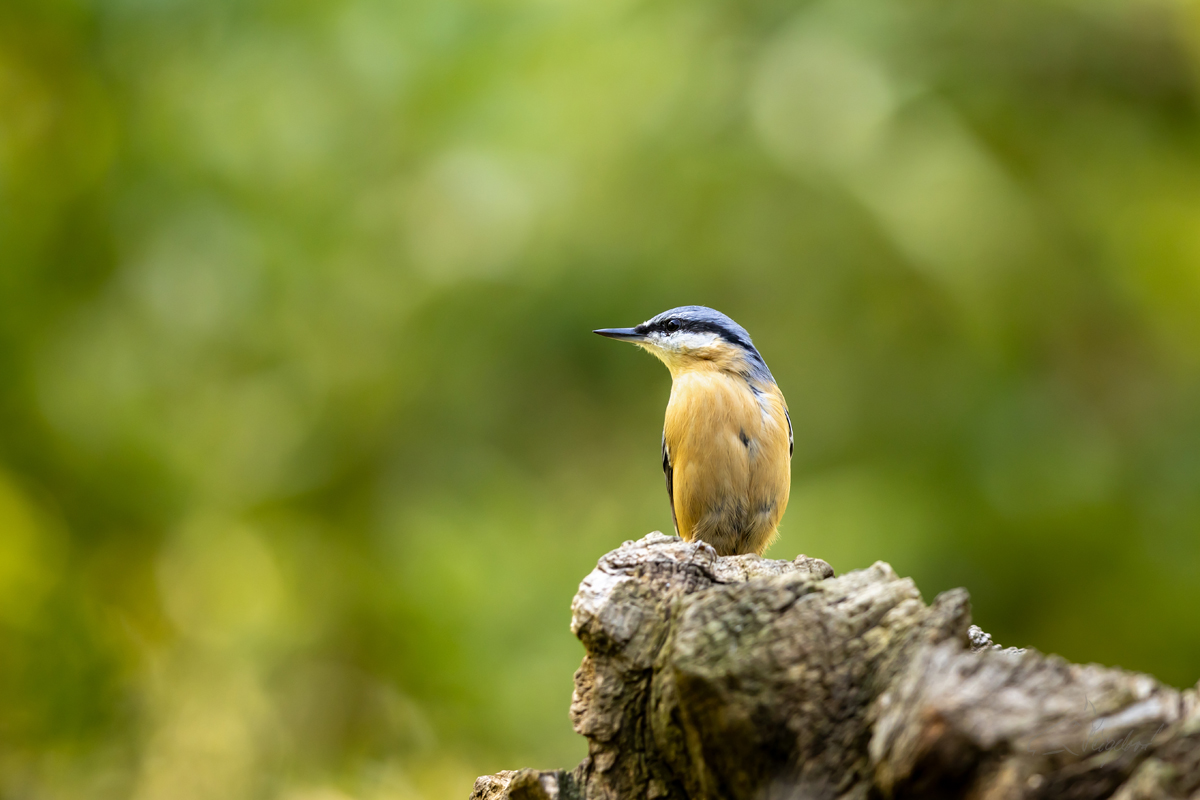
[[305, 442]]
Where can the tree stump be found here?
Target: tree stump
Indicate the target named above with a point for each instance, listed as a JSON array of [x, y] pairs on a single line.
[[742, 677]]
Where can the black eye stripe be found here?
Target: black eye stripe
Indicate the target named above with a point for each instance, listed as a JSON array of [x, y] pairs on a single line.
[[699, 319], [702, 326], [675, 324]]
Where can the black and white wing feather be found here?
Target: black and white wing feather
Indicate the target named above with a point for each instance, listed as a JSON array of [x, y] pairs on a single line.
[[669, 471]]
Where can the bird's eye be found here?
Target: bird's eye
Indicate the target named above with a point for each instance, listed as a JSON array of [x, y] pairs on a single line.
[[672, 325]]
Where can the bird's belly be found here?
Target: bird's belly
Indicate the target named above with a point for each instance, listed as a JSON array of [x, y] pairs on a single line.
[[729, 453]]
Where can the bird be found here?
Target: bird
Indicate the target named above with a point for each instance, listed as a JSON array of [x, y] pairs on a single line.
[[727, 435]]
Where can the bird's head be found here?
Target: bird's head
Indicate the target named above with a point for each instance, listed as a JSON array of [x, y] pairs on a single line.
[[695, 337]]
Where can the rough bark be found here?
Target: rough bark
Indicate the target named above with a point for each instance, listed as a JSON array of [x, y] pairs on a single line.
[[741, 677]]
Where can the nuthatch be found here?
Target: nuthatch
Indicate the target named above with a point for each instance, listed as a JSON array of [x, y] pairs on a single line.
[[727, 437]]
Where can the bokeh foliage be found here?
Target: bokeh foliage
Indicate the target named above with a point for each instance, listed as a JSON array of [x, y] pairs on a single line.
[[305, 442]]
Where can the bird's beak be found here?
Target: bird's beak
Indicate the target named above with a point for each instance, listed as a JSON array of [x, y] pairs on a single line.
[[622, 334]]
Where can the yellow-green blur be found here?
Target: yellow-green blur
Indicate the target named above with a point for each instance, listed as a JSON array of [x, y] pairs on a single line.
[[305, 441]]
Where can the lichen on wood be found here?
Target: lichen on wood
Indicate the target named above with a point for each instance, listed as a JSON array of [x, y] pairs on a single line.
[[742, 677]]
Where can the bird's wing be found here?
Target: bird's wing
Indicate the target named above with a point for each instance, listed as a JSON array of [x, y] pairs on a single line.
[[669, 471], [786, 416]]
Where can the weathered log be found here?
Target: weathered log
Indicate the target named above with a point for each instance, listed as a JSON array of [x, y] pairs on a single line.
[[742, 677]]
